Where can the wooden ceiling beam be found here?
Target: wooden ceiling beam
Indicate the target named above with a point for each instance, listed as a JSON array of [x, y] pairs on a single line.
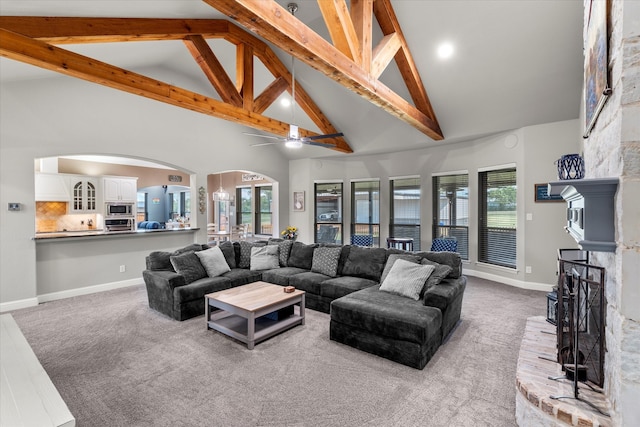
[[62, 30], [389, 24], [384, 53], [362, 18], [35, 52], [213, 69], [270, 94], [274, 23], [66, 30], [343, 34]]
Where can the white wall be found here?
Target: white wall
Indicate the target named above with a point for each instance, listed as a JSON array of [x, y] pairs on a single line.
[[535, 150], [61, 115]]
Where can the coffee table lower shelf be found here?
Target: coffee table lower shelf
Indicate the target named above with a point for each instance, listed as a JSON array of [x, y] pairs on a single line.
[[238, 327]]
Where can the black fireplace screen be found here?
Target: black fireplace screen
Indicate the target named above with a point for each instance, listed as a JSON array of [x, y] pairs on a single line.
[[581, 340]]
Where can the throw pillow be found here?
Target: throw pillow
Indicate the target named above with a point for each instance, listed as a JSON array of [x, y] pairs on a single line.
[[188, 265], [245, 253], [441, 271], [159, 260], [229, 252], [365, 262], [264, 257], [213, 261], [407, 279], [284, 249], [325, 261], [393, 258], [301, 255]]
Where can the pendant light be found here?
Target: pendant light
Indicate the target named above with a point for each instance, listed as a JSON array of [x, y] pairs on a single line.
[[221, 195]]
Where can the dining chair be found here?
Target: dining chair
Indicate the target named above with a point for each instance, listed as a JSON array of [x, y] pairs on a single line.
[[442, 244], [362, 240]]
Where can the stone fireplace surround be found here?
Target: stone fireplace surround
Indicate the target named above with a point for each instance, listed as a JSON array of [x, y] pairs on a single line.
[[612, 150]]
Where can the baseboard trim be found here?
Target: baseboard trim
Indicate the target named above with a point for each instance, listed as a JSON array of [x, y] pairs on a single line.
[[17, 305], [88, 290], [533, 286]]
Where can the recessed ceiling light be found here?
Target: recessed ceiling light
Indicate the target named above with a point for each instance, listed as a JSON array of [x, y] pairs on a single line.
[[285, 102], [445, 50]]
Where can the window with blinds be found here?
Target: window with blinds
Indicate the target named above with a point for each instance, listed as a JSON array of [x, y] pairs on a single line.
[[365, 209], [328, 211], [264, 202], [405, 209], [497, 222], [243, 205], [451, 210]]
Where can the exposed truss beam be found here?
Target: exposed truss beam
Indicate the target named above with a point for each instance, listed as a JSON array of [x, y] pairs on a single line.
[[274, 23], [27, 39]]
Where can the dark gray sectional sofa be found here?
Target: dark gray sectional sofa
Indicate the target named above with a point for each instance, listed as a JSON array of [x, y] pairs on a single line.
[[396, 327]]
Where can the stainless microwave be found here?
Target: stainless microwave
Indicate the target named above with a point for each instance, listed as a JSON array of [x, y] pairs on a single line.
[[119, 210]]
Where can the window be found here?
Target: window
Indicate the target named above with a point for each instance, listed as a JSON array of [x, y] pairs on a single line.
[[328, 212], [497, 208], [141, 208], [365, 209], [451, 210], [180, 204], [264, 198], [243, 205], [405, 210]]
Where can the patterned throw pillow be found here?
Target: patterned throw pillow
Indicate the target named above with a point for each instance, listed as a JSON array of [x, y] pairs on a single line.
[[325, 261], [393, 258], [407, 279], [188, 265], [284, 248], [245, 253], [441, 271], [213, 261], [264, 257]]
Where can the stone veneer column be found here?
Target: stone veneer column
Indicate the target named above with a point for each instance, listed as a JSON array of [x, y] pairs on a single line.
[[613, 150]]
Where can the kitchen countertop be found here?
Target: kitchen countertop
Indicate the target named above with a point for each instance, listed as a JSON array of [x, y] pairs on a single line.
[[87, 234]]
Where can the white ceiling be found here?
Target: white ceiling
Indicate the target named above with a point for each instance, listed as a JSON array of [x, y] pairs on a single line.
[[516, 63]]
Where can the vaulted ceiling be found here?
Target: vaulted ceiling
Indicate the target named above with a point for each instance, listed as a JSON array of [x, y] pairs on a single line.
[[516, 63]]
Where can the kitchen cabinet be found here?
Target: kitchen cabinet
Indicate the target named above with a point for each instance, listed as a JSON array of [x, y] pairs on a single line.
[[52, 187], [120, 189], [84, 194]]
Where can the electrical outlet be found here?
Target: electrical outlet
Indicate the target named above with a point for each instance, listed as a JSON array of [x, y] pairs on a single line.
[[122, 269], [527, 269]]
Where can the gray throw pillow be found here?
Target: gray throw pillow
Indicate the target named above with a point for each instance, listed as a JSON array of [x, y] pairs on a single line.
[[367, 263], [264, 257], [229, 252], [213, 261], [393, 258], [245, 253], [407, 279], [301, 255], [441, 271], [325, 261], [284, 249], [188, 265]]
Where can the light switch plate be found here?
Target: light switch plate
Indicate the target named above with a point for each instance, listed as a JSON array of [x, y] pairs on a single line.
[[14, 207]]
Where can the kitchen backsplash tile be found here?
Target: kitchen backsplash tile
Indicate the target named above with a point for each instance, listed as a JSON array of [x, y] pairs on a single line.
[[52, 216]]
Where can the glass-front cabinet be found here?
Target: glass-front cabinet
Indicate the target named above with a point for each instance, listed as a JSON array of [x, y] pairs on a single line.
[[328, 212], [84, 194]]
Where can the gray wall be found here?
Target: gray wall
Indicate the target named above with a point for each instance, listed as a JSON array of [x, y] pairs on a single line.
[[61, 115], [535, 150]]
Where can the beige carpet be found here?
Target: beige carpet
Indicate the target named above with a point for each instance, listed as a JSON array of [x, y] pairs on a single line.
[[116, 362]]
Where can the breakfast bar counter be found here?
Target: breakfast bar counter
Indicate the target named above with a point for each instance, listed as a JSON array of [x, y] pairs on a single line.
[[101, 234]]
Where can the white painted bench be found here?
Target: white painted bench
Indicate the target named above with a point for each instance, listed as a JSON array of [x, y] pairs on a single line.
[[27, 395]]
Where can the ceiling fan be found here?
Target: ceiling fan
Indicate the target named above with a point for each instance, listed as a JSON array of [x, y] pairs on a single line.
[[293, 139]]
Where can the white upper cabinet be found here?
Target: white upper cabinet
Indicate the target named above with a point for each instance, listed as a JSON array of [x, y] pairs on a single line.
[[120, 189], [52, 187], [84, 194]]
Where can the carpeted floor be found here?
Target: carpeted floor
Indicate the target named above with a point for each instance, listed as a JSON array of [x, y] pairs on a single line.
[[116, 362]]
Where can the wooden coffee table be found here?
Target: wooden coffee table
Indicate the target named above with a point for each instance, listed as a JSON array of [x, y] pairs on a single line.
[[240, 310]]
